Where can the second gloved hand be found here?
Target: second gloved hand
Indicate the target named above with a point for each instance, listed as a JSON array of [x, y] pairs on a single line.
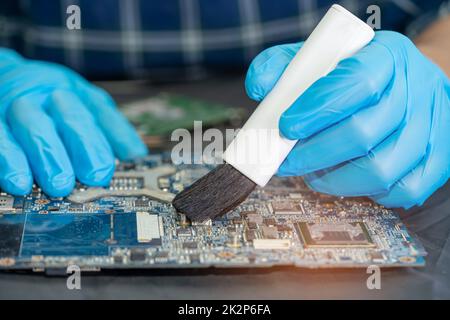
[[378, 125], [57, 127]]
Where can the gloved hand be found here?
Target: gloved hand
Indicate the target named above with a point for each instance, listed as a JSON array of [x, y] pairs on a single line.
[[378, 125], [55, 127]]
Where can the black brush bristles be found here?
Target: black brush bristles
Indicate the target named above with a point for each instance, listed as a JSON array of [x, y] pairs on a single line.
[[216, 193]]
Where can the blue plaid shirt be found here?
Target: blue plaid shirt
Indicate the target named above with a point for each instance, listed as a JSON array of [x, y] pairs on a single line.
[[160, 38]]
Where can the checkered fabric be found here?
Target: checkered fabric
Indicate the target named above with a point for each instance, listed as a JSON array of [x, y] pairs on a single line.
[[136, 38]]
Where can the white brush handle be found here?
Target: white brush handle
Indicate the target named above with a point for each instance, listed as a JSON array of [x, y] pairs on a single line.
[[258, 149]]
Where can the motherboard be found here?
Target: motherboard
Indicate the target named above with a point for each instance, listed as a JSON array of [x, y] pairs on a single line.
[[132, 224]]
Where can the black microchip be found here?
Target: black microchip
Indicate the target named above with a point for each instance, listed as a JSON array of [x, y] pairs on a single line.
[[76, 206], [137, 255], [250, 235], [161, 255], [128, 166], [118, 259], [237, 221], [141, 202]]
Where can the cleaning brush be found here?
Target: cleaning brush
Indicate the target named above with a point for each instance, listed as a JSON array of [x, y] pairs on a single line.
[[258, 149]]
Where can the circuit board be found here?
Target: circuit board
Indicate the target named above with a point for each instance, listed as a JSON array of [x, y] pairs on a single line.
[[131, 224]]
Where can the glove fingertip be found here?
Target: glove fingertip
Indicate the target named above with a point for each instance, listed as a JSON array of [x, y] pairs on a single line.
[[253, 91], [267, 68], [287, 131], [260, 80], [291, 129]]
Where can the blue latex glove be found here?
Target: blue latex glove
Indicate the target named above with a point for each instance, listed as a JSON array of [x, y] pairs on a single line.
[[55, 127], [378, 125]]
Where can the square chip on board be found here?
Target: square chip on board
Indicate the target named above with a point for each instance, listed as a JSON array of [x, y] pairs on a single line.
[[339, 234]]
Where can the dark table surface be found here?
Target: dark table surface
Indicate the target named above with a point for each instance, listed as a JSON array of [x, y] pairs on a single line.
[[431, 223]]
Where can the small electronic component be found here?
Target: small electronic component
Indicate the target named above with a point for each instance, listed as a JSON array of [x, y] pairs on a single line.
[[269, 232], [328, 234], [190, 245], [142, 202], [286, 207], [184, 232], [254, 218], [250, 235], [161, 256], [138, 255]]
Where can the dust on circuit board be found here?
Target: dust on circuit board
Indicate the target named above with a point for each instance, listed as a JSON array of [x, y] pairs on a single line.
[[131, 224]]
